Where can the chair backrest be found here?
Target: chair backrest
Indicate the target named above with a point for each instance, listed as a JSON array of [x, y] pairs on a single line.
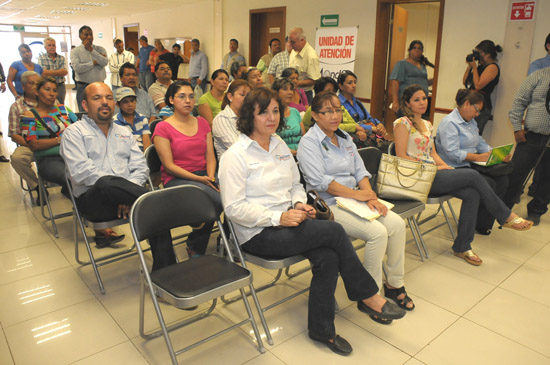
[[391, 149], [371, 158], [153, 124], [152, 159], [79, 115], [161, 210]]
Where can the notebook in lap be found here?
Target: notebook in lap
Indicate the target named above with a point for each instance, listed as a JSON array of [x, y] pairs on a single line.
[[498, 154]]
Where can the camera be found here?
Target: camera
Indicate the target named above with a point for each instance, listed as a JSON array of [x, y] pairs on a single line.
[[472, 56]]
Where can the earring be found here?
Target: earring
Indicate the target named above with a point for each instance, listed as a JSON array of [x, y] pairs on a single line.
[[230, 100]]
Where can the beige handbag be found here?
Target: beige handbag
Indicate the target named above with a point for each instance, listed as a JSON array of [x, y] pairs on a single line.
[[399, 178]]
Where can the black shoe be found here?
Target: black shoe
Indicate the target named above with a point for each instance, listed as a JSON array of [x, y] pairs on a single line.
[[533, 218], [37, 190], [107, 241], [394, 293], [338, 345], [4, 159], [389, 311]]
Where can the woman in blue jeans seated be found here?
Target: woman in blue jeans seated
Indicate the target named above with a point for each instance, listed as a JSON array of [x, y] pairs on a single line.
[[459, 142], [332, 166], [262, 195], [414, 141], [184, 145]]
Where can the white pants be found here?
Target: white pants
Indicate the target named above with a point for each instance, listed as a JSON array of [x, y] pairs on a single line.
[[385, 235]]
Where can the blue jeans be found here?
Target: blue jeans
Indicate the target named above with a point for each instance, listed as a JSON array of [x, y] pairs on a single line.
[[146, 79], [326, 245], [198, 238], [469, 186]]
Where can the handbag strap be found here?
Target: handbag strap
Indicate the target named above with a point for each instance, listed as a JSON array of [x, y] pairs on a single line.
[[44, 124]]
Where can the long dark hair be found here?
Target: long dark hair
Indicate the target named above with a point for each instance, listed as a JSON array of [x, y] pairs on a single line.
[[489, 47], [406, 97], [423, 58]]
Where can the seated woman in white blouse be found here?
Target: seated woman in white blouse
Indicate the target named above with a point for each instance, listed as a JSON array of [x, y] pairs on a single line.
[[332, 166], [262, 195], [224, 126]]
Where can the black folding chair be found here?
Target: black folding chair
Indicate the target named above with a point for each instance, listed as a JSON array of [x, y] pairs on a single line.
[[45, 204], [192, 282]]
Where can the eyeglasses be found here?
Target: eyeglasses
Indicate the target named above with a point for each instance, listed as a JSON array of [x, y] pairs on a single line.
[[184, 96], [476, 108], [331, 112]]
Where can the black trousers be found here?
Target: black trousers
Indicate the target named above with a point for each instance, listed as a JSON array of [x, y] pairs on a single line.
[[525, 157], [100, 203], [326, 245]]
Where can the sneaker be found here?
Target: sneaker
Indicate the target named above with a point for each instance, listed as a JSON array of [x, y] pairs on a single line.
[[535, 218]]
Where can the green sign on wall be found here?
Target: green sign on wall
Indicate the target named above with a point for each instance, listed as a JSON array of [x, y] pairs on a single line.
[[18, 28], [330, 20]]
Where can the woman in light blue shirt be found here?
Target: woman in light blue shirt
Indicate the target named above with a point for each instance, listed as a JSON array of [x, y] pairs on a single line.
[[332, 166], [458, 143]]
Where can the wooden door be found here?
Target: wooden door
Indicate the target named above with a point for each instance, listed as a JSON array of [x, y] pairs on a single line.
[[265, 24], [131, 38], [397, 53]]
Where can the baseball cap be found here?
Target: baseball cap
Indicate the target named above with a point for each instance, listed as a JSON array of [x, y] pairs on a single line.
[[123, 92]]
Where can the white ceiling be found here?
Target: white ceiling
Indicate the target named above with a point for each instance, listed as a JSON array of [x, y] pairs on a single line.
[[62, 12]]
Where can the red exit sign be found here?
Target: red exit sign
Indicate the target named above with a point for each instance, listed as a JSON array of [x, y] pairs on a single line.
[[523, 10]]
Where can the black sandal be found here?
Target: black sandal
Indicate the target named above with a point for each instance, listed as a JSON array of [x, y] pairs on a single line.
[[380, 320], [394, 293]]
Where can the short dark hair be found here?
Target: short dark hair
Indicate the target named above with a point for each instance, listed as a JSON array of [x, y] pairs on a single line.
[[157, 66], [234, 40], [144, 38], [176, 45], [406, 97], [321, 99], [217, 72], [233, 87], [262, 98], [125, 66], [469, 95], [344, 75], [195, 40], [274, 40], [321, 83], [281, 84], [83, 28], [118, 41], [245, 75], [547, 42]]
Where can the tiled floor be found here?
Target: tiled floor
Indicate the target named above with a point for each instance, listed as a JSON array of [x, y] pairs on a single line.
[[51, 310]]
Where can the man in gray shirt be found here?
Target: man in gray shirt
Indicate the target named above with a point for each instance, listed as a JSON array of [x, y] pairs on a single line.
[[88, 62], [198, 66]]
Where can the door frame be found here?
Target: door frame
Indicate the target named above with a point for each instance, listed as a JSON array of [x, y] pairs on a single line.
[[381, 54], [253, 12]]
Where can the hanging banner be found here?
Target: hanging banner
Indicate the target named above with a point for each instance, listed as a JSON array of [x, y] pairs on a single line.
[[336, 50]]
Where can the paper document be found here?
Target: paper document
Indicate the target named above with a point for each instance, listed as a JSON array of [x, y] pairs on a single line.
[[361, 208]]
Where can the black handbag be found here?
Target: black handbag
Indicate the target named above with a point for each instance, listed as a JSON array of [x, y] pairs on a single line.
[[501, 169]]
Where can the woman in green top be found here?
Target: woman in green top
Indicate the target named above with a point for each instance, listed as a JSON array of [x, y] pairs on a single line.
[[348, 124], [210, 104], [294, 129]]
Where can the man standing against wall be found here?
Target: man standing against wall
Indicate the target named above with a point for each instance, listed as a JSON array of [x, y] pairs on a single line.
[[304, 59], [198, 66], [174, 59], [88, 61], [54, 65], [279, 62], [232, 56], [145, 74], [265, 60], [116, 60]]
